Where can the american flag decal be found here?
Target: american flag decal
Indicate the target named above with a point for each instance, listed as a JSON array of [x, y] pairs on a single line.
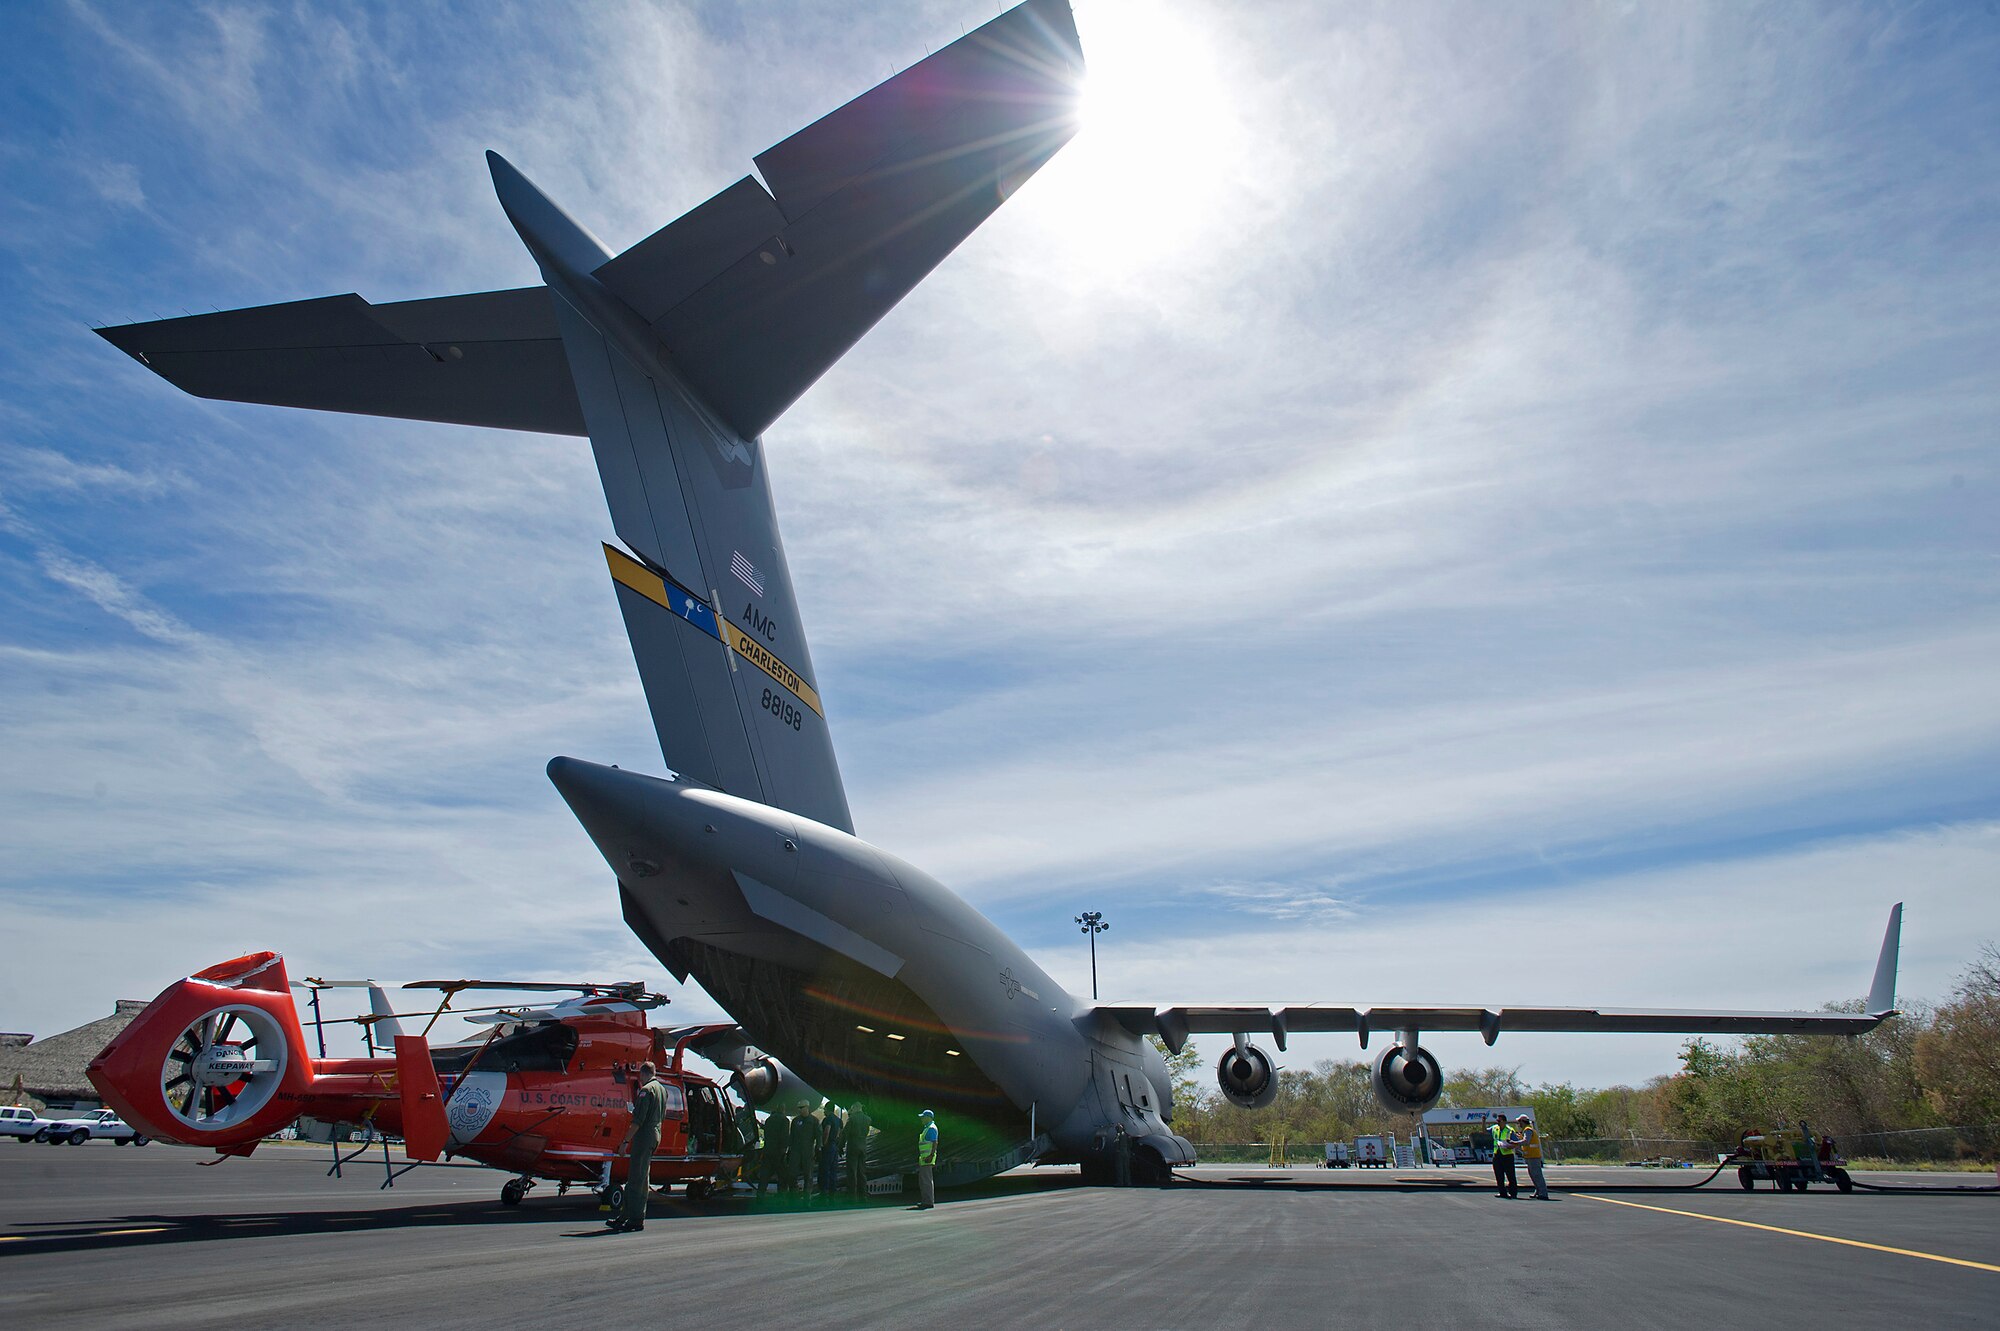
[[746, 572]]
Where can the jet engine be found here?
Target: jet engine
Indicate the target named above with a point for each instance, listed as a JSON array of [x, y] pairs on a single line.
[[1248, 1078], [1407, 1079], [762, 1080]]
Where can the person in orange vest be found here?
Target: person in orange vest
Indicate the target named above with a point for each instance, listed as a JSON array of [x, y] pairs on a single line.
[[1530, 1143]]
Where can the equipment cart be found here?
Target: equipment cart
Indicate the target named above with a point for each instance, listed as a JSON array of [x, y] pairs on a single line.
[[1792, 1160]]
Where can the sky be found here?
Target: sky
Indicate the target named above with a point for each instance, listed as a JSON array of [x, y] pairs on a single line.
[[1416, 503]]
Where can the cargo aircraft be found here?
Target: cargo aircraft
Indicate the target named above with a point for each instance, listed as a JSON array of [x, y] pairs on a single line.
[[841, 963]]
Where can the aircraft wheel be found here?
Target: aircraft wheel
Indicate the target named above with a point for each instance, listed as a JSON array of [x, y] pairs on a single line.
[[79, 1137], [1745, 1177], [614, 1196], [512, 1191], [697, 1189], [140, 1141]]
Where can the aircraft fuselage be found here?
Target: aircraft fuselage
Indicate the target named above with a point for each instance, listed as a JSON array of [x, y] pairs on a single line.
[[864, 974]]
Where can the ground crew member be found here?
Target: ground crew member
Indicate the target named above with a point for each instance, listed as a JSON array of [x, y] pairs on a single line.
[[773, 1136], [804, 1148], [1530, 1143], [749, 1130], [857, 1152], [1505, 1180], [927, 1153], [649, 1108], [829, 1152], [1121, 1157]]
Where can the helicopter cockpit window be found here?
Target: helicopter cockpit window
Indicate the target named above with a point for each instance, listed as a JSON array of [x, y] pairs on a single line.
[[545, 1047]]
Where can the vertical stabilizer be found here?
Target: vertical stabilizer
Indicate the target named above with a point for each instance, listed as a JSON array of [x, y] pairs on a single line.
[[684, 347]]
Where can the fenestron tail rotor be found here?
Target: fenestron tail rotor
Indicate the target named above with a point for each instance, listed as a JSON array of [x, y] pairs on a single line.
[[224, 1067]]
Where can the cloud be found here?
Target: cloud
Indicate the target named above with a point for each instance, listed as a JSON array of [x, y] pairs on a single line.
[[1487, 456]]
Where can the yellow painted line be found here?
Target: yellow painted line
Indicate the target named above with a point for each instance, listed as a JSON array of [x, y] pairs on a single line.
[[1798, 1233], [100, 1234]]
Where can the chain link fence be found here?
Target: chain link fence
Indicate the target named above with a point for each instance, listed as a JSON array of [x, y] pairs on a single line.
[[1918, 1148], [1966, 1148]]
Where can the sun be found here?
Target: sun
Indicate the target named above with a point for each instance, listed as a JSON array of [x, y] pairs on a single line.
[[1145, 177]]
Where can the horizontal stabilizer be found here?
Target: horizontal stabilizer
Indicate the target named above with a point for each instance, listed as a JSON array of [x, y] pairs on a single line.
[[755, 295], [493, 358]]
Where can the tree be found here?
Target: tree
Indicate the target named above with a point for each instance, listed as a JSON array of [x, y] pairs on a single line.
[[1958, 1058], [1483, 1088], [1560, 1112], [1183, 1069]]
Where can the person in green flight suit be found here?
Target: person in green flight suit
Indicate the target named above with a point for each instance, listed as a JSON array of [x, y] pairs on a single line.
[[649, 1110], [927, 1153], [857, 1152], [802, 1149]]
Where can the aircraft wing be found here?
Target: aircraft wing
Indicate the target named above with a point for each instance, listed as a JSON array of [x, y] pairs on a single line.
[[493, 358], [756, 294], [1174, 1023]]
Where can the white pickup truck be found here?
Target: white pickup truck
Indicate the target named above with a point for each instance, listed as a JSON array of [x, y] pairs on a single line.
[[20, 1122], [105, 1123]]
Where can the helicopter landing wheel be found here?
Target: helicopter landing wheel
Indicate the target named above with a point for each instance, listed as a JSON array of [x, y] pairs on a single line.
[[513, 1190], [697, 1189], [614, 1196]]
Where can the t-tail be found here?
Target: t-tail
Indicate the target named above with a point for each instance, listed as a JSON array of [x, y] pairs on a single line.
[[683, 348], [675, 355]]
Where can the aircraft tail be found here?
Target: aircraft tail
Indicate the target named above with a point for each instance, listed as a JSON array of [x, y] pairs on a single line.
[[684, 347]]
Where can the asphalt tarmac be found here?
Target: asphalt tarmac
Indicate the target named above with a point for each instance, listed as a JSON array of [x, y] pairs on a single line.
[[97, 1235]]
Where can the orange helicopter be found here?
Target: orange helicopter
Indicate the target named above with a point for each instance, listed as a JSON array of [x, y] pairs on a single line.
[[220, 1060]]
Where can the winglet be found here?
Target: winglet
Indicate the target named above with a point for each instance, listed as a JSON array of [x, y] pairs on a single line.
[[1882, 994]]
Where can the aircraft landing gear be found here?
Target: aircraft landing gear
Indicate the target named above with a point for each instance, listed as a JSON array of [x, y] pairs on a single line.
[[514, 1190], [614, 1196]]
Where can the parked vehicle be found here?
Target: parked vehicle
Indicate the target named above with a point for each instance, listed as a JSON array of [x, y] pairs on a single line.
[[21, 1123], [1374, 1152], [1338, 1155], [104, 1124]]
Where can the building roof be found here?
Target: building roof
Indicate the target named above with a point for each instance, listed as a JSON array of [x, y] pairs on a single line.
[[53, 1069]]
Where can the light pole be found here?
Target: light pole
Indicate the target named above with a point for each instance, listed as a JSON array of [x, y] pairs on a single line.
[[1093, 924]]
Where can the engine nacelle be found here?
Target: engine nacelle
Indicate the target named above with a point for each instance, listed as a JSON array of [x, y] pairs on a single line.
[[762, 1080], [1407, 1080], [1248, 1078]]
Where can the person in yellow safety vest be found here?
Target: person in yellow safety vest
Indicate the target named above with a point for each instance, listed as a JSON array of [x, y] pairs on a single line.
[[1530, 1143], [1505, 1180], [927, 1149]]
